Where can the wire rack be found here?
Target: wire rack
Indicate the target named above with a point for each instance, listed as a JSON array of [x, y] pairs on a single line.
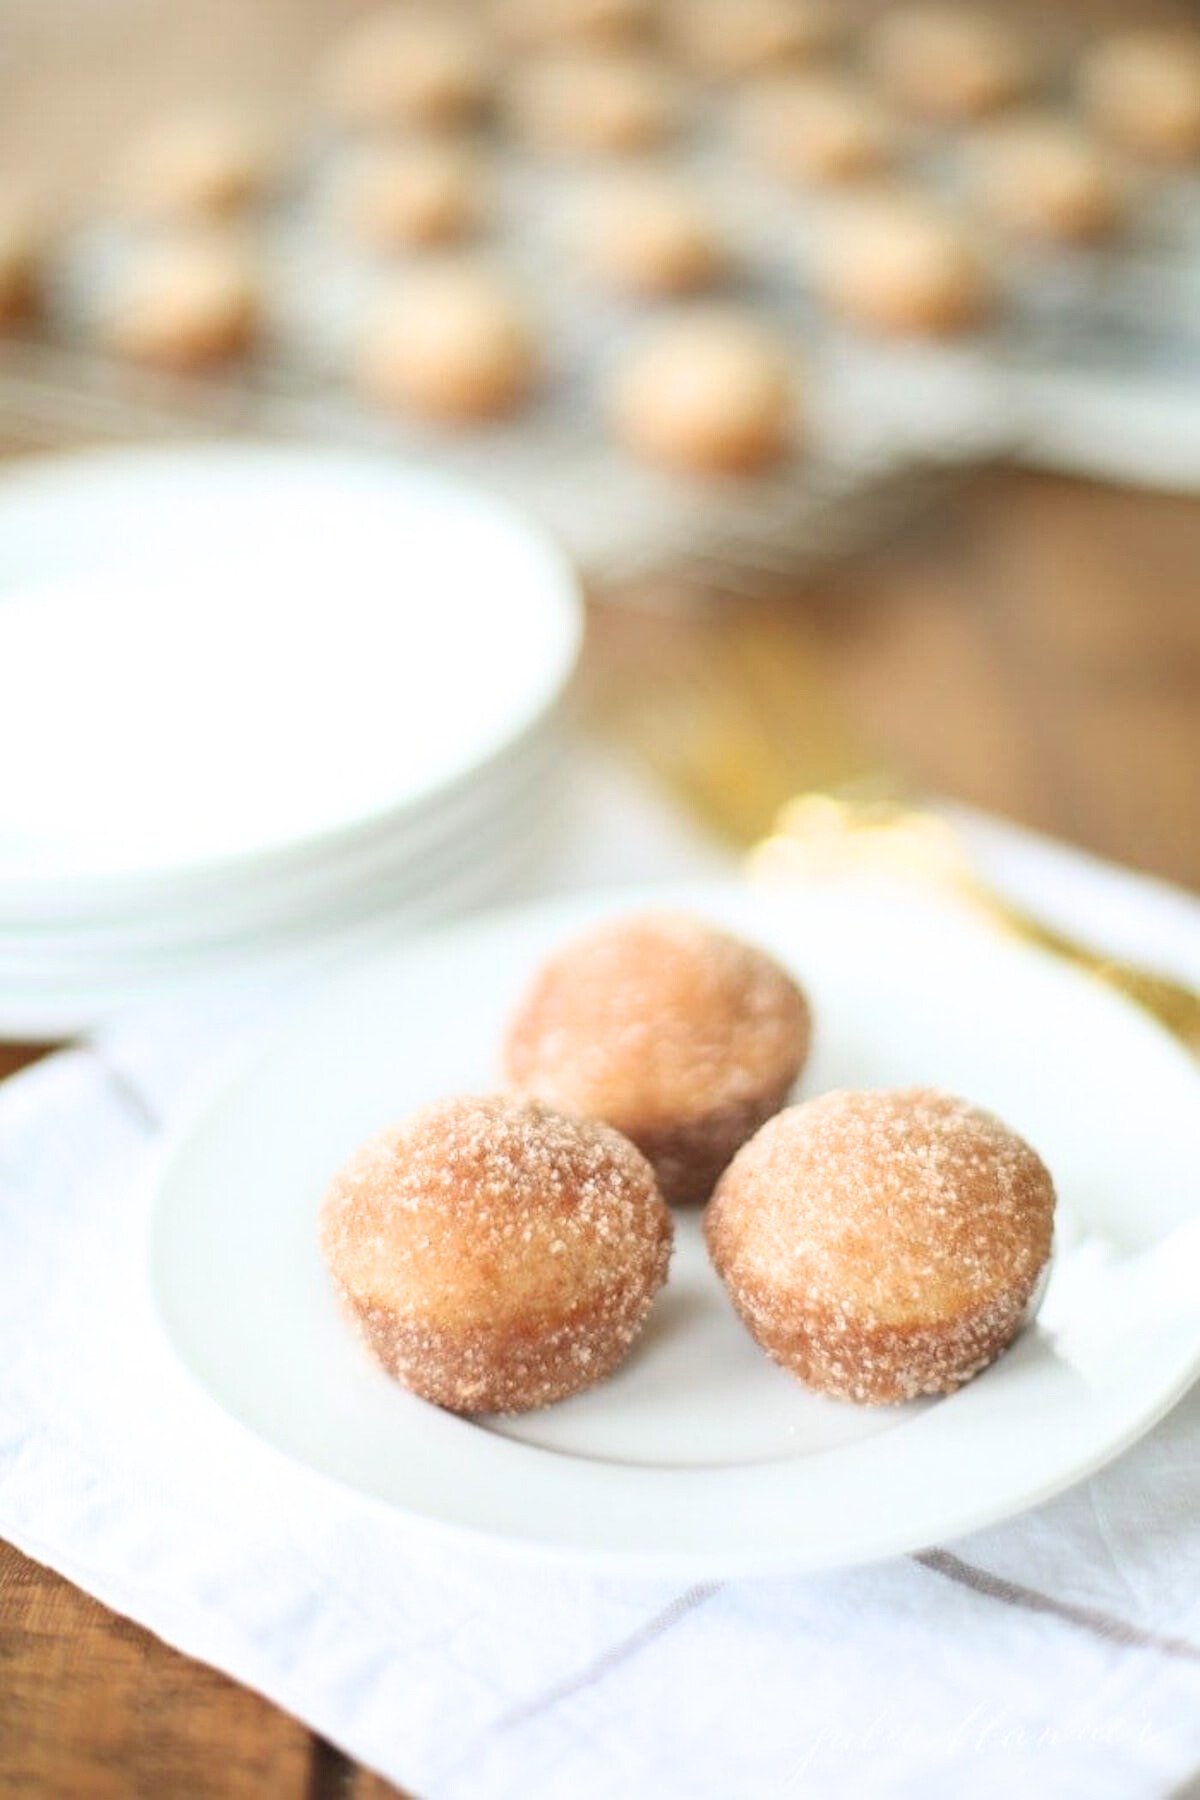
[[1093, 363]]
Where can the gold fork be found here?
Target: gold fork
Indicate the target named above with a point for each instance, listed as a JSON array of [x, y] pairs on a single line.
[[739, 724]]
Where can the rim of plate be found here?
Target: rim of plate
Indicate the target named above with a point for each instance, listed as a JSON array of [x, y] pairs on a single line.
[[1040, 1460]]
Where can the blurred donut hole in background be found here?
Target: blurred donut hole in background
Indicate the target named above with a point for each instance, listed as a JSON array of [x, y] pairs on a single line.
[[552, 245]]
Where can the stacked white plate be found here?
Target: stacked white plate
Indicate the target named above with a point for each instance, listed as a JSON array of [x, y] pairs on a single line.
[[257, 707]]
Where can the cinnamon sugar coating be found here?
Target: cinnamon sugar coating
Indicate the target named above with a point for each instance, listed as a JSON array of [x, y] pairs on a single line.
[[883, 1245], [494, 1255], [678, 1034]]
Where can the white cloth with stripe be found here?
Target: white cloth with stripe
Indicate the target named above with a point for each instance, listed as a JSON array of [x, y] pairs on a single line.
[[1058, 1654]]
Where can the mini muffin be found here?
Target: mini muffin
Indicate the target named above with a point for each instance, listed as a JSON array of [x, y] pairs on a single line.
[[649, 235], [184, 305], [896, 264], [734, 38], [679, 1035], [595, 105], [205, 165], [411, 66], [945, 63], [882, 1245], [451, 344], [813, 129], [538, 24], [20, 262], [1141, 89], [495, 1256], [407, 195], [1044, 179], [707, 394]]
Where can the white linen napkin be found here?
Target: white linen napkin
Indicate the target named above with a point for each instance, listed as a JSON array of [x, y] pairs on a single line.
[[1059, 1654]]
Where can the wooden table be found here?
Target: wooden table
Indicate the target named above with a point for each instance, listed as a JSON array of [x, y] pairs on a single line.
[[1032, 646]]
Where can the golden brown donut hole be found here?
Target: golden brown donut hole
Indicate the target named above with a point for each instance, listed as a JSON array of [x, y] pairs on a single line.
[[897, 265], [539, 24], [424, 67], [21, 251], [736, 38], [412, 194], [946, 63], [196, 165], [496, 1256], [184, 305], [598, 105], [1141, 89], [453, 344], [813, 129], [680, 1035], [882, 1245], [651, 235], [706, 394], [1044, 179]]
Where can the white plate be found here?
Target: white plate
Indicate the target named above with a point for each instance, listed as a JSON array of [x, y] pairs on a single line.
[[699, 1456], [224, 653]]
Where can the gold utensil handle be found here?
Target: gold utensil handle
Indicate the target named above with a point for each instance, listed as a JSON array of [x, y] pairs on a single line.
[[739, 717], [1175, 1006], [826, 834]]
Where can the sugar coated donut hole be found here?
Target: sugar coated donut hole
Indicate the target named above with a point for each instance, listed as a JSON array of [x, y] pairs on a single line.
[[1141, 89], [813, 129], [898, 265], [415, 193], [20, 262], [496, 1256], [202, 165], [681, 1036], [1045, 179], [184, 305], [735, 38], [882, 1245], [420, 66], [946, 63], [594, 104], [651, 235], [706, 394], [451, 344], [536, 24]]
